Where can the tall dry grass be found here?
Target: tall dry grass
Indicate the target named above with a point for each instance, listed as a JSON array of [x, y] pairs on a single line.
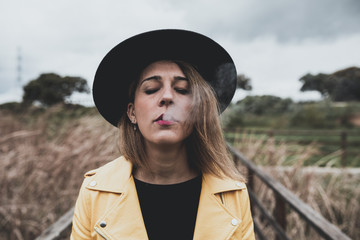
[[41, 172], [334, 193], [43, 159]]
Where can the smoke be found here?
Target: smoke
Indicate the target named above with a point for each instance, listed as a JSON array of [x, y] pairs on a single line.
[[221, 85], [178, 112]]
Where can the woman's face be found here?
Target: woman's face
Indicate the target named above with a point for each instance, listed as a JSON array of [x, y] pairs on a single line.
[[162, 104]]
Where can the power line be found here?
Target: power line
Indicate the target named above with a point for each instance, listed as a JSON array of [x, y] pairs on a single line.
[[19, 67]]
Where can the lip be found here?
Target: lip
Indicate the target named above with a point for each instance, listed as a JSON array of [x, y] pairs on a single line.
[[159, 120], [164, 123]]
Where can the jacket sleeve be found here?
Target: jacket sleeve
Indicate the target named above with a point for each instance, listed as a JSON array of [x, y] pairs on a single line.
[[247, 221], [81, 228]]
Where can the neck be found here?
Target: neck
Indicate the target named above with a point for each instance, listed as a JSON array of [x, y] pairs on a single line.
[[168, 165]]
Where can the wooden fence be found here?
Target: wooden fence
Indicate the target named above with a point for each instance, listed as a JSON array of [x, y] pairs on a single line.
[[284, 198], [277, 219]]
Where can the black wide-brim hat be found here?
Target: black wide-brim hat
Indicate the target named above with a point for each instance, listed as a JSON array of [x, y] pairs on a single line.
[[123, 64]]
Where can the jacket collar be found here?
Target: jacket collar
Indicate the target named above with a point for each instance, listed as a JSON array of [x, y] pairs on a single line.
[[217, 185], [114, 177]]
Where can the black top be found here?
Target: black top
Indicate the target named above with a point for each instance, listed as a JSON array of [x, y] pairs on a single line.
[[169, 211]]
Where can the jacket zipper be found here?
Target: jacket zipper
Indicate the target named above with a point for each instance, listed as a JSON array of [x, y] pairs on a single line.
[[97, 230]]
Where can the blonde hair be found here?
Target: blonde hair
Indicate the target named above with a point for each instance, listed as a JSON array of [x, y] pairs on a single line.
[[206, 147]]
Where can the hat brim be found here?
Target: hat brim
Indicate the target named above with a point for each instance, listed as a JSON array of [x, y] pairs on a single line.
[[122, 65]]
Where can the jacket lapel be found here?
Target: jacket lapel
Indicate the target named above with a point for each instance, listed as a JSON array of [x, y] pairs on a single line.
[[121, 186], [129, 224], [214, 220]]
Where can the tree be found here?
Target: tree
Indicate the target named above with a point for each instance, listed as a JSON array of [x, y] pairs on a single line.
[[265, 104], [244, 82], [342, 85], [50, 89], [257, 111]]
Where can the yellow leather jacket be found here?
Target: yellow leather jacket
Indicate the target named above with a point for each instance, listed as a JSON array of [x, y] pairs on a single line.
[[108, 207]]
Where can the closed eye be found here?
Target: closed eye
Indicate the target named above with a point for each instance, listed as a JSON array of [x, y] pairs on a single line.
[[151, 91], [182, 91]]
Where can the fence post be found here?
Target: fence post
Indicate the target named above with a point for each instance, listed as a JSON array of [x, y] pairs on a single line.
[[343, 148], [237, 136], [280, 211], [250, 185], [271, 133], [271, 142]]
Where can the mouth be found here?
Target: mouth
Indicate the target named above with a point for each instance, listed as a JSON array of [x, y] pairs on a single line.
[[160, 120]]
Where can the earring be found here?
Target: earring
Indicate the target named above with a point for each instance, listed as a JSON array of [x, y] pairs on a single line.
[[133, 121]]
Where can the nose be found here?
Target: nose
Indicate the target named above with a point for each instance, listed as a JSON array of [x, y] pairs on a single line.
[[167, 97]]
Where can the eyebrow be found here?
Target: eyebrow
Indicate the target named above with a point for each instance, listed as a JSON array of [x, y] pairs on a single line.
[[158, 78]]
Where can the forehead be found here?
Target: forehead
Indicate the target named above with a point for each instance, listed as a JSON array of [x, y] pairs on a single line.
[[162, 67]]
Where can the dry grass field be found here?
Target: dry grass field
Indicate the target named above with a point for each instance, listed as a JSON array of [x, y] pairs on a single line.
[[43, 159], [42, 164]]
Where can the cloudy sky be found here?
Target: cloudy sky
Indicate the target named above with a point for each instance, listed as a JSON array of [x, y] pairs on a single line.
[[274, 43]]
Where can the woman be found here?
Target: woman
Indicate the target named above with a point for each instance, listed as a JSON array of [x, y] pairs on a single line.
[[164, 90]]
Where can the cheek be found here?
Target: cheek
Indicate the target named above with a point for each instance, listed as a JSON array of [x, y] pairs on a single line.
[[140, 111], [187, 106], [187, 112], [141, 104]]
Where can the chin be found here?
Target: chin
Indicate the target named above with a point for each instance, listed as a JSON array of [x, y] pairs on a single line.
[[166, 138], [169, 139]]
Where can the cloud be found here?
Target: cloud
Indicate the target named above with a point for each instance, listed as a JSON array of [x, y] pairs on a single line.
[[286, 20], [267, 39], [69, 37], [275, 68]]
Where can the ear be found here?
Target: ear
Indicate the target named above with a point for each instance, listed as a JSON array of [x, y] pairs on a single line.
[[131, 112]]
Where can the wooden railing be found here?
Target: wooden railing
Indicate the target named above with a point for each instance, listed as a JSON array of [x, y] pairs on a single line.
[[283, 198], [60, 229]]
